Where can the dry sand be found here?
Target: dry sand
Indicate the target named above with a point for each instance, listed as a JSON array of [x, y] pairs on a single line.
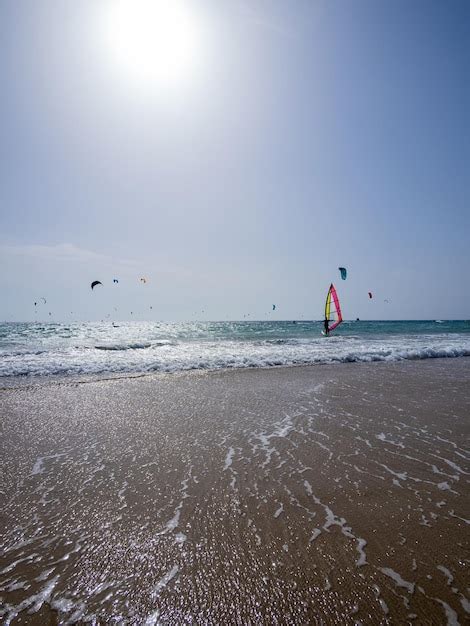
[[323, 495]]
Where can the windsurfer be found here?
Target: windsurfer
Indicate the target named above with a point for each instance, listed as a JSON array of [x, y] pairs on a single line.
[[333, 317]]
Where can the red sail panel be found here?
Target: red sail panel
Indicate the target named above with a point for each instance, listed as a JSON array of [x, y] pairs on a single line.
[[336, 307]]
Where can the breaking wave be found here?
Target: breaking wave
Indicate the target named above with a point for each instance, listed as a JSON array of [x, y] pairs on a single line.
[[117, 347], [173, 356]]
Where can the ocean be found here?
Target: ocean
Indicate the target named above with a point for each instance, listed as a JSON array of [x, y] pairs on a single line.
[[99, 348]]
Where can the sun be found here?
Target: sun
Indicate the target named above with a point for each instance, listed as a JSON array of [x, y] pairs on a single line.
[[155, 42]]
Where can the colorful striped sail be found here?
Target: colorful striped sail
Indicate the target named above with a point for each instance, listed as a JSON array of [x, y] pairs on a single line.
[[333, 315]]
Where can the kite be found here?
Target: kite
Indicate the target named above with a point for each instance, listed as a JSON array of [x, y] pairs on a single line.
[[115, 280], [274, 307], [344, 272], [370, 294], [95, 282], [143, 280]]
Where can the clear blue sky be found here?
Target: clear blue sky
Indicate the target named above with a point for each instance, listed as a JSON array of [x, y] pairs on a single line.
[[313, 134]]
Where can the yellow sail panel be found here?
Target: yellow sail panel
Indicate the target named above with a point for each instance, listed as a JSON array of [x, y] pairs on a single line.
[[328, 306]]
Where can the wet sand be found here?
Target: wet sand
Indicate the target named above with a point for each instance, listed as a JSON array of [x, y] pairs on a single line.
[[321, 495]]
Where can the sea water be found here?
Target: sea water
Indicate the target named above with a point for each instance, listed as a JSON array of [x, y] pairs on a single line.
[[99, 348]]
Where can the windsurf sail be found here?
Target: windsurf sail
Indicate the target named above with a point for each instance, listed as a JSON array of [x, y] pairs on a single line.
[[333, 315]]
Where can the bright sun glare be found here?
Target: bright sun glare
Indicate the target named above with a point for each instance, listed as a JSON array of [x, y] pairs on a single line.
[[154, 41]]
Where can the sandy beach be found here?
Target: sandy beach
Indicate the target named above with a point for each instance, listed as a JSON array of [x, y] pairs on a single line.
[[322, 495]]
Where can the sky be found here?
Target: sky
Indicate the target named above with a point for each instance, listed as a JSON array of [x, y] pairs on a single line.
[[238, 166]]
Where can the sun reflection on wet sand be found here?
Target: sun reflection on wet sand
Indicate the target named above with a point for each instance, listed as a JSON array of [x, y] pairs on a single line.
[[330, 493]]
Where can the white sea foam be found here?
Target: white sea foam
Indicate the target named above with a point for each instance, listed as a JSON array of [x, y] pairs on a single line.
[[31, 349], [383, 606], [174, 521], [444, 486], [451, 615], [119, 347], [45, 574], [447, 573], [152, 618], [463, 519], [383, 437], [228, 458], [465, 604], [12, 566], [315, 533], [38, 467], [451, 464], [399, 581], [163, 582], [32, 603], [333, 520]]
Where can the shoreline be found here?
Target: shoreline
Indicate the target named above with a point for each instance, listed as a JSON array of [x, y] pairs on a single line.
[[331, 494], [29, 381]]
